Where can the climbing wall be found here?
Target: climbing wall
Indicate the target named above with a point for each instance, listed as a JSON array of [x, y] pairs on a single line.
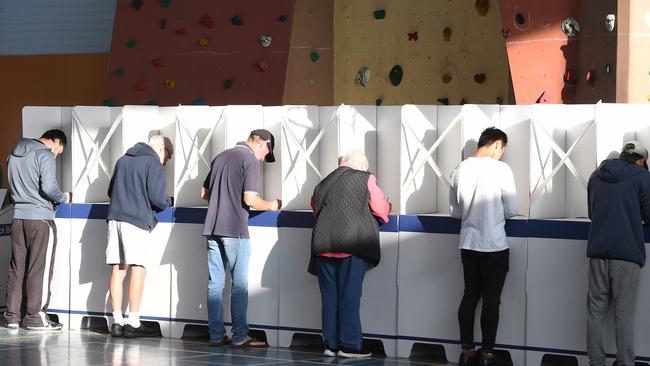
[[633, 85], [170, 52], [310, 72], [419, 51], [539, 52]]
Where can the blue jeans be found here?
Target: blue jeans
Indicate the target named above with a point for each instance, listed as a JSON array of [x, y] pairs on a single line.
[[340, 282], [234, 254]]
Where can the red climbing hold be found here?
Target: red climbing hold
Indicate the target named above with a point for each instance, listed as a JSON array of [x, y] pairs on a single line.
[[157, 63], [413, 36], [207, 21], [570, 77], [141, 85], [591, 77], [479, 78], [263, 65], [181, 31]]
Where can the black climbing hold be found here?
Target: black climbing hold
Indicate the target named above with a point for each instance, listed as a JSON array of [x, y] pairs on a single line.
[[378, 102], [227, 84], [520, 19], [136, 4], [163, 23], [282, 18], [379, 14], [396, 74], [444, 101], [236, 20]]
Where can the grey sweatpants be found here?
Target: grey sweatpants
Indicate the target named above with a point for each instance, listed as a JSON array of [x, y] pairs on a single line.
[[611, 282], [33, 247]]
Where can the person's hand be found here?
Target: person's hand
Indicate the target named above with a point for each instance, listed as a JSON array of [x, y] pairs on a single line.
[[171, 201], [276, 205], [68, 197]]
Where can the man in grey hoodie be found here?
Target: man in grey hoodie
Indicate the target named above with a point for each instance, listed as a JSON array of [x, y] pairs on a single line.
[[35, 192]]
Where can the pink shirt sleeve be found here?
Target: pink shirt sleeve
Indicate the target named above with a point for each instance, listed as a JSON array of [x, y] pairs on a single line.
[[378, 204]]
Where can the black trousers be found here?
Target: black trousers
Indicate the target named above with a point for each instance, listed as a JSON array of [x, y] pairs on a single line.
[[484, 274]]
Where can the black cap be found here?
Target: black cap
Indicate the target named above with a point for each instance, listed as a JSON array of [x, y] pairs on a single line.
[[266, 136]]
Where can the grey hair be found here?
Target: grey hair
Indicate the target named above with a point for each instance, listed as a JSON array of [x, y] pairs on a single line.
[[162, 140], [357, 159]]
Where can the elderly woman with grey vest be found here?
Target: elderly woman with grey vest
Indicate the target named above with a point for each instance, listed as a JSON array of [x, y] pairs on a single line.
[[347, 205]]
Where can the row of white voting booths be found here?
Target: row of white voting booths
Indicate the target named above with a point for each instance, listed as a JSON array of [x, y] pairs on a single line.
[[412, 296]]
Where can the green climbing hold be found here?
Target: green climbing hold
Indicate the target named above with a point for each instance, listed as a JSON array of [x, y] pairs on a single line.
[[132, 43], [236, 20], [378, 102], [443, 101], [163, 23], [379, 14], [396, 74], [164, 3], [119, 71], [109, 102], [227, 84], [282, 18], [314, 56], [499, 100], [152, 102]]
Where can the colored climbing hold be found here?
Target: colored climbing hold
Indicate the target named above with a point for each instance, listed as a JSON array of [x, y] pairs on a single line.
[[157, 63], [203, 42], [141, 85], [608, 69], [479, 78], [136, 4], [236, 20], [163, 23], [610, 22], [206, 21], [263, 65], [132, 43], [109, 102], [227, 84], [445, 78], [282, 18], [444, 101], [499, 100], [395, 75], [119, 71], [570, 27], [570, 77], [363, 75], [151, 102], [378, 102], [198, 101], [462, 101], [265, 40], [170, 83], [181, 31], [164, 3], [482, 7], [590, 76], [520, 19], [413, 36], [446, 34], [314, 56], [379, 14]]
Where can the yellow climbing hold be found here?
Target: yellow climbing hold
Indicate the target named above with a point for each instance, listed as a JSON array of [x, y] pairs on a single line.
[[203, 42], [445, 78], [170, 83], [482, 7]]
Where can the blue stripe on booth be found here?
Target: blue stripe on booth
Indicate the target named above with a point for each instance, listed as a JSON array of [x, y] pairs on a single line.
[[558, 229]]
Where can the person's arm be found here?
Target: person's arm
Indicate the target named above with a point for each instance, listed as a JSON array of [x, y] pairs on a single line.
[[254, 201], [251, 187], [455, 209], [47, 171], [158, 199], [509, 193], [378, 205], [205, 190], [644, 198]]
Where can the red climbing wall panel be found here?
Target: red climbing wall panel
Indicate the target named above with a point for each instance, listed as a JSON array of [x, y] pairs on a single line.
[[157, 56]]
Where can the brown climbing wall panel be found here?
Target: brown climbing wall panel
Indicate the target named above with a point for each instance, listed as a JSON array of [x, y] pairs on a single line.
[[193, 52], [538, 51], [412, 34], [633, 58], [310, 82]]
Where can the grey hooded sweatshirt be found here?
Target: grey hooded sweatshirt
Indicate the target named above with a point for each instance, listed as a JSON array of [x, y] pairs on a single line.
[[32, 181]]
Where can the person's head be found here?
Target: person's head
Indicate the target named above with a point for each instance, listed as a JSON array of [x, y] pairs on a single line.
[[634, 153], [492, 143], [55, 140], [357, 159], [262, 143], [163, 147]]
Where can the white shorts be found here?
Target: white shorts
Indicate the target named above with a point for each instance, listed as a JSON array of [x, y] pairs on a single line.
[[127, 244]]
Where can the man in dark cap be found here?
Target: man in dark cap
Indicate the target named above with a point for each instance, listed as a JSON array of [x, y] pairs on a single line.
[[232, 188], [618, 196]]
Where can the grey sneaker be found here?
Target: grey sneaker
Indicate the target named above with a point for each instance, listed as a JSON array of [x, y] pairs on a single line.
[[13, 325], [51, 325]]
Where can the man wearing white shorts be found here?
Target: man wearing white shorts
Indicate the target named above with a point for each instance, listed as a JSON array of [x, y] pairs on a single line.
[[137, 192]]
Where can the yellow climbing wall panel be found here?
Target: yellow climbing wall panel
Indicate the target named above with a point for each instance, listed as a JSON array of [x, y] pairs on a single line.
[[476, 46]]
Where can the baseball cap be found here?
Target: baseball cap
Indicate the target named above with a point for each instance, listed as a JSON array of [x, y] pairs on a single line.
[[266, 136], [635, 147]]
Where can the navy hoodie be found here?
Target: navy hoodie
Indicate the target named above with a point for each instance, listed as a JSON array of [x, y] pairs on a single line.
[[619, 200], [137, 188]]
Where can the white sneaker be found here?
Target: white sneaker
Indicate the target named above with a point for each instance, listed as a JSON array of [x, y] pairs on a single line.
[[329, 352], [13, 325], [353, 353]]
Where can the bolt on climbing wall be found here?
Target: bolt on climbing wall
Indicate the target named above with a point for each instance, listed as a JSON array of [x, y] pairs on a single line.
[[167, 52], [419, 51]]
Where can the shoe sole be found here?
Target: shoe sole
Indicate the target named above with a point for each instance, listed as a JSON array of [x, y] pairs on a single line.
[[12, 326], [329, 353], [44, 328], [354, 355]]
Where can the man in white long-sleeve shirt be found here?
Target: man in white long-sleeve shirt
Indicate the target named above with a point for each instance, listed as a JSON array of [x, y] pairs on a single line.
[[483, 196]]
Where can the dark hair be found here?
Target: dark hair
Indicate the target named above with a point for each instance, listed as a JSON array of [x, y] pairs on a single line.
[[630, 157], [490, 135], [55, 134]]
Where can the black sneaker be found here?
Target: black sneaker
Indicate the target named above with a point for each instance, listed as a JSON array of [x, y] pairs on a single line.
[[352, 353], [142, 331], [468, 358], [117, 330]]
